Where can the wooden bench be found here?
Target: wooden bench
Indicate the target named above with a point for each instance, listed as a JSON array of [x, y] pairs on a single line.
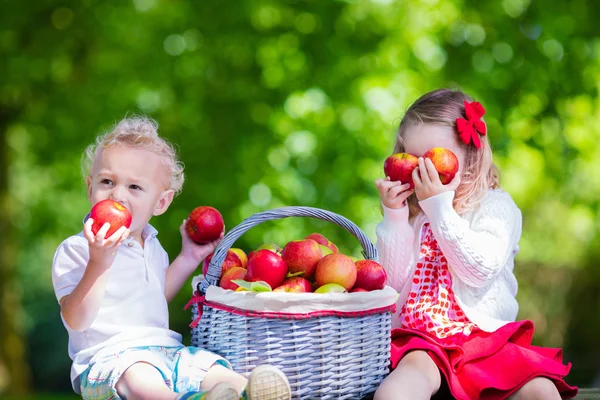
[[588, 394]]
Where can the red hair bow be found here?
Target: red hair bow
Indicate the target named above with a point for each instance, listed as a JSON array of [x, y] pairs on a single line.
[[470, 128]]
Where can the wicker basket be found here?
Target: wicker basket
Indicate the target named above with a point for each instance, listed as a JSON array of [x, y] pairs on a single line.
[[337, 351]]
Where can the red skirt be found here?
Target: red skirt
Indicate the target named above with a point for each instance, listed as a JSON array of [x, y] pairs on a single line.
[[488, 366]]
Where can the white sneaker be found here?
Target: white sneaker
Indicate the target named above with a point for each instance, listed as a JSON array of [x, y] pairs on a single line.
[[267, 382]]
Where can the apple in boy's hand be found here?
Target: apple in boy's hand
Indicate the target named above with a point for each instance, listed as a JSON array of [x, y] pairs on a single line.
[[295, 284], [233, 258], [205, 224], [302, 256], [317, 237], [400, 166], [370, 275], [267, 266], [445, 163], [231, 275], [336, 268], [116, 214]]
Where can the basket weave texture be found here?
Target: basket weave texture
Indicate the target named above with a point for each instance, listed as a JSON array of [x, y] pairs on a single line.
[[325, 355]]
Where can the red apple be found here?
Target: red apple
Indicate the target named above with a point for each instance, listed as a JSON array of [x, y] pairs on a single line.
[[400, 166], [204, 224], [357, 290], [317, 237], [336, 268], [302, 256], [370, 275], [232, 259], [242, 256], [295, 284], [231, 275], [267, 266], [116, 214], [444, 161]]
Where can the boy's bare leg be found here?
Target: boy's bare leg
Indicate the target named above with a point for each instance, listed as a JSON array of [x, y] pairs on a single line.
[[415, 378], [143, 381], [218, 373]]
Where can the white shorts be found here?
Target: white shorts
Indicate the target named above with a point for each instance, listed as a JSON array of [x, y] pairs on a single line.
[[182, 368]]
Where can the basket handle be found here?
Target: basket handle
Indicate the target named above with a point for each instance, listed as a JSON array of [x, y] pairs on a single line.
[[214, 269]]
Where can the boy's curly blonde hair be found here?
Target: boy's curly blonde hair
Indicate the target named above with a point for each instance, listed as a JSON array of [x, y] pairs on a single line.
[[142, 133]]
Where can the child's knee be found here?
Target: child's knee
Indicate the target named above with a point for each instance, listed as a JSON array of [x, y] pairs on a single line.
[[138, 379], [422, 362], [537, 388]]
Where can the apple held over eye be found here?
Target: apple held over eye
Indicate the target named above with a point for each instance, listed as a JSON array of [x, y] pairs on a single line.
[[234, 258], [295, 284], [302, 256], [445, 163], [116, 214], [317, 237], [336, 268], [267, 266], [370, 275], [205, 224], [400, 166]]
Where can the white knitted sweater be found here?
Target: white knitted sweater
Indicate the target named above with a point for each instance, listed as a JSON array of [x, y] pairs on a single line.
[[480, 247]]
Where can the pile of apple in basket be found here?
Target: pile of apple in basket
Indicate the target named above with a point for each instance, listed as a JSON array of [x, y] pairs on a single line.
[[313, 264]]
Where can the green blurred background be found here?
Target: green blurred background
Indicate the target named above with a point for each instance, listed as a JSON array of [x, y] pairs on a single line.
[[278, 103]]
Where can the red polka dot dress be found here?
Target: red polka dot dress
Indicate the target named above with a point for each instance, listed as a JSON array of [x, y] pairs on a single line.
[[475, 364], [431, 306]]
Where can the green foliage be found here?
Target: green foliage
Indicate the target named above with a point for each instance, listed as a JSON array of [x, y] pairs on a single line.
[[275, 103]]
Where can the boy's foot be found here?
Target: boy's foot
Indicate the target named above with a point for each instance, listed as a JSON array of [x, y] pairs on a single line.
[[267, 382], [221, 391]]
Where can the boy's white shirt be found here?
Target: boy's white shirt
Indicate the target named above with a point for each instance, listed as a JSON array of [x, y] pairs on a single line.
[[480, 247], [134, 310]]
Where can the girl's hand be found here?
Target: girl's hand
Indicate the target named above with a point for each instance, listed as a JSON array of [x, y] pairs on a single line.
[[393, 194], [103, 251], [427, 180], [194, 252]]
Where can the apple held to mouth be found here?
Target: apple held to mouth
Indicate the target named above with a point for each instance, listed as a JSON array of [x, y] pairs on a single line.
[[400, 166], [112, 212], [205, 224], [445, 163]]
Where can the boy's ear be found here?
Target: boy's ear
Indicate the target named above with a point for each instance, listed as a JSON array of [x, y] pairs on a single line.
[[88, 181], [164, 201]]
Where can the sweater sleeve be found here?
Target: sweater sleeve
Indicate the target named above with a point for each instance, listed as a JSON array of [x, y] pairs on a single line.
[[395, 238], [476, 251]]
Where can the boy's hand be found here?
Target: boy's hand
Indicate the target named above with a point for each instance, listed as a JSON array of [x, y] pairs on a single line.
[[393, 193], [427, 180], [103, 251], [195, 252]]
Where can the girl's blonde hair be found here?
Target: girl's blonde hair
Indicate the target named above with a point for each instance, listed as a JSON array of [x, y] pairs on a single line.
[[142, 133], [443, 107]]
